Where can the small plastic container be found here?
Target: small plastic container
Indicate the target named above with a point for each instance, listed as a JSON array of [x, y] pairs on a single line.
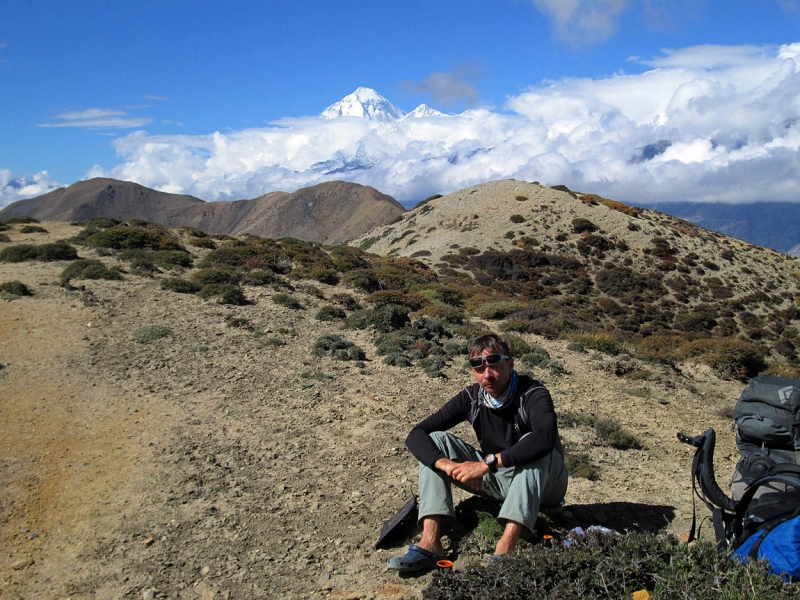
[[547, 541], [444, 564]]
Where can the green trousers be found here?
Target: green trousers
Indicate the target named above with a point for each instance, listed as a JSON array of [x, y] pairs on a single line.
[[523, 489]]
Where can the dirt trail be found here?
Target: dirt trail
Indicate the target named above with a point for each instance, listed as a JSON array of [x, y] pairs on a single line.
[[69, 447]]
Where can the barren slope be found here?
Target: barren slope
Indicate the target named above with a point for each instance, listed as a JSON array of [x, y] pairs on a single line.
[[230, 463]]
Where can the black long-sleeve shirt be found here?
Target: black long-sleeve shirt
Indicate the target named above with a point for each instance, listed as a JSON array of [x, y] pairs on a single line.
[[497, 430]]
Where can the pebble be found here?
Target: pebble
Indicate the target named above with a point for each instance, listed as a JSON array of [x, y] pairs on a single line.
[[22, 563]]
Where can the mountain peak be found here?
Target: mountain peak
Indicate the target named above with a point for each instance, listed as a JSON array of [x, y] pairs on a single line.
[[423, 110], [365, 103]]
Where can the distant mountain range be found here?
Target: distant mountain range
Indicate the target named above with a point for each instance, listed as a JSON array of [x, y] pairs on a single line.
[[330, 213], [336, 211], [774, 225]]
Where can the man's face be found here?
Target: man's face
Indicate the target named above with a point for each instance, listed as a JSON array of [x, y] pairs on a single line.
[[494, 379]]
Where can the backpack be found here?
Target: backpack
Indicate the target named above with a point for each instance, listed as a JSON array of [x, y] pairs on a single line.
[[764, 524], [767, 423]]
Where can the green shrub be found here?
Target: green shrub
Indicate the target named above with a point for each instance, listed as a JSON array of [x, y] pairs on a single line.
[[579, 225], [361, 279], [287, 300], [15, 288], [98, 223], [729, 358], [214, 275], [579, 464], [345, 300], [600, 565], [87, 268], [17, 220], [32, 229], [517, 219], [203, 242], [238, 323], [57, 251], [181, 286], [19, 253], [4, 238], [46, 252], [601, 342], [608, 430], [225, 293], [330, 313], [537, 357], [497, 310], [121, 237], [337, 347], [613, 434], [148, 333]]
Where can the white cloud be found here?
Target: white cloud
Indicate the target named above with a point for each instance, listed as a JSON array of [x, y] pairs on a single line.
[[98, 118], [707, 123], [13, 188], [449, 89], [582, 22]]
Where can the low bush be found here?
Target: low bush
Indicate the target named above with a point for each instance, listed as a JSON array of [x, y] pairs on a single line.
[[579, 225], [148, 333], [337, 347], [123, 237], [497, 310], [214, 275], [87, 268], [579, 464], [57, 251], [45, 252], [19, 253], [180, 286], [608, 431], [98, 222], [32, 229], [203, 242], [238, 323], [287, 300], [536, 357], [15, 288], [729, 358], [330, 313], [598, 565], [18, 220], [601, 342], [4, 238], [225, 293]]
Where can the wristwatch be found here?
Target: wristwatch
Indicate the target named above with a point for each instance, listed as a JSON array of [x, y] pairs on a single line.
[[491, 462]]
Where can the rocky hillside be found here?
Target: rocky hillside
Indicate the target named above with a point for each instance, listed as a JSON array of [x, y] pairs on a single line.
[[329, 213], [559, 255], [196, 415]]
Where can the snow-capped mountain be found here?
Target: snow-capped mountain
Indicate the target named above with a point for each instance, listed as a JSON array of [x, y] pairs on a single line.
[[423, 110], [365, 103]]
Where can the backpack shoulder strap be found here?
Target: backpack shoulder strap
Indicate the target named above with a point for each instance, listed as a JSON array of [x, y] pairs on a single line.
[[522, 409], [474, 405]]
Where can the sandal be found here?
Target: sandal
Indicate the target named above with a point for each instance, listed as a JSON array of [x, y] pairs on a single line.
[[416, 559]]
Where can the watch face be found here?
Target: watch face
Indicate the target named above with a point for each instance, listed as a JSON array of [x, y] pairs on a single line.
[[489, 460]]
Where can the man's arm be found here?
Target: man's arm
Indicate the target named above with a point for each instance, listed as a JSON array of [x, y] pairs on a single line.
[[469, 473], [419, 441]]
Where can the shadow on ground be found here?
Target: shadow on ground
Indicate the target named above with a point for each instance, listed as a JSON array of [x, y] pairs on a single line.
[[472, 535]]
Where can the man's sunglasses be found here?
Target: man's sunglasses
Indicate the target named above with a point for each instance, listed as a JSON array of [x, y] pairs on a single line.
[[479, 363]]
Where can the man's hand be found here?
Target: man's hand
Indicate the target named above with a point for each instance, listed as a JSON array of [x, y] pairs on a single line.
[[469, 473]]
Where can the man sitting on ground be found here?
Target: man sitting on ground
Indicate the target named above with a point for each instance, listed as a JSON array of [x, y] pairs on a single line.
[[520, 461]]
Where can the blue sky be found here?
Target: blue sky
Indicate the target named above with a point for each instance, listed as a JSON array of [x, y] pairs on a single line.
[[220, 99]]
